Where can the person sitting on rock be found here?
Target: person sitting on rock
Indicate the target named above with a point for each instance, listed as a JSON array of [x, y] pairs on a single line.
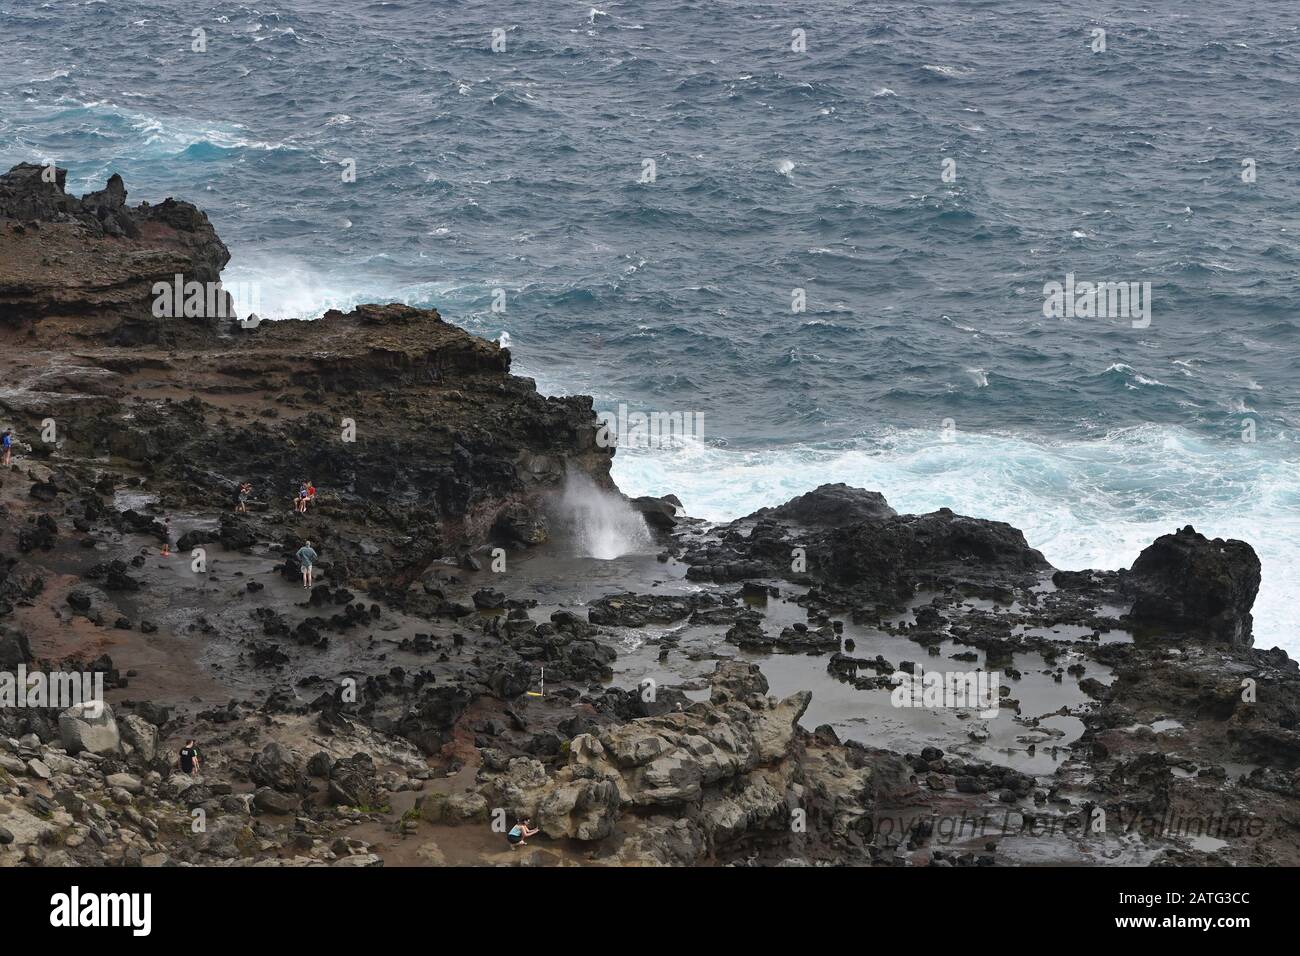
[[520, 832], [300, 502], [189, 760], [311, 495], [307, 559], [7, 440]]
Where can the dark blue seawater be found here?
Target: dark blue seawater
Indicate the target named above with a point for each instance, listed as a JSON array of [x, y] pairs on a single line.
[[775, 170]]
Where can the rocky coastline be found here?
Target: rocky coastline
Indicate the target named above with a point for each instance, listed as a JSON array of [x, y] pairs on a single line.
[[455, 667]]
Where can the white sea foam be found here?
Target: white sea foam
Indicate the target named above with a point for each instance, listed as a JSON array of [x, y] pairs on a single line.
[[157, 136], [290, 289], [1084, 504], [948, 72]]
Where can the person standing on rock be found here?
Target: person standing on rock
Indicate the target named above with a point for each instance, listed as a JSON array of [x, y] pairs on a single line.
[[245, 489], [307, 558], [8, 442], [167, 538], [190, 762]]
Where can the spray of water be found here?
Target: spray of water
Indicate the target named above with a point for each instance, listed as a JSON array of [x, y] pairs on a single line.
[[600, 524]]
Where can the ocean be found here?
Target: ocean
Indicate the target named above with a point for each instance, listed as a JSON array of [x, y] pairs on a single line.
[[827, 228]]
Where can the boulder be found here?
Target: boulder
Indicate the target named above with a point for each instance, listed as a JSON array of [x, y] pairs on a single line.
[[574, 803], [235, 533], [671, 760], [659, 513], [488, 599], [141, 735], [427, 722], [511, 680], [579, 809], [454, 808], [736, 680], [353, 782], [227, 836], [319, 765], [20, 828], [153, 713], [431, 854], [279, 768], [125, 781], [91, 728], [830, 506], [273, 801], [1186, 582], [194, 538]]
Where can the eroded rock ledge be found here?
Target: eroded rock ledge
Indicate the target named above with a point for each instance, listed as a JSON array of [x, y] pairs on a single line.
[[402, 420], [80, 269]]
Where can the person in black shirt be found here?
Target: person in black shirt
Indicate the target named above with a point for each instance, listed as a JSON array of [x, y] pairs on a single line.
[[190, 761]]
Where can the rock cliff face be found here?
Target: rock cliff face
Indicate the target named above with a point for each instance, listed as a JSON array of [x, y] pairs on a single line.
[[401, 420], [73, 270]]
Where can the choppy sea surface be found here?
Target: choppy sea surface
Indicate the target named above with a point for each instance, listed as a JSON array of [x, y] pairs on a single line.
[[922, 364]]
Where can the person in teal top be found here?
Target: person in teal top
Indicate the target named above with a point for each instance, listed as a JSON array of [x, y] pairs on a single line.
[[307, 558], [520, 832]]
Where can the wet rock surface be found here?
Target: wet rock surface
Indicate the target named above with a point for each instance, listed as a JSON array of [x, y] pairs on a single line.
[[749, 693]]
